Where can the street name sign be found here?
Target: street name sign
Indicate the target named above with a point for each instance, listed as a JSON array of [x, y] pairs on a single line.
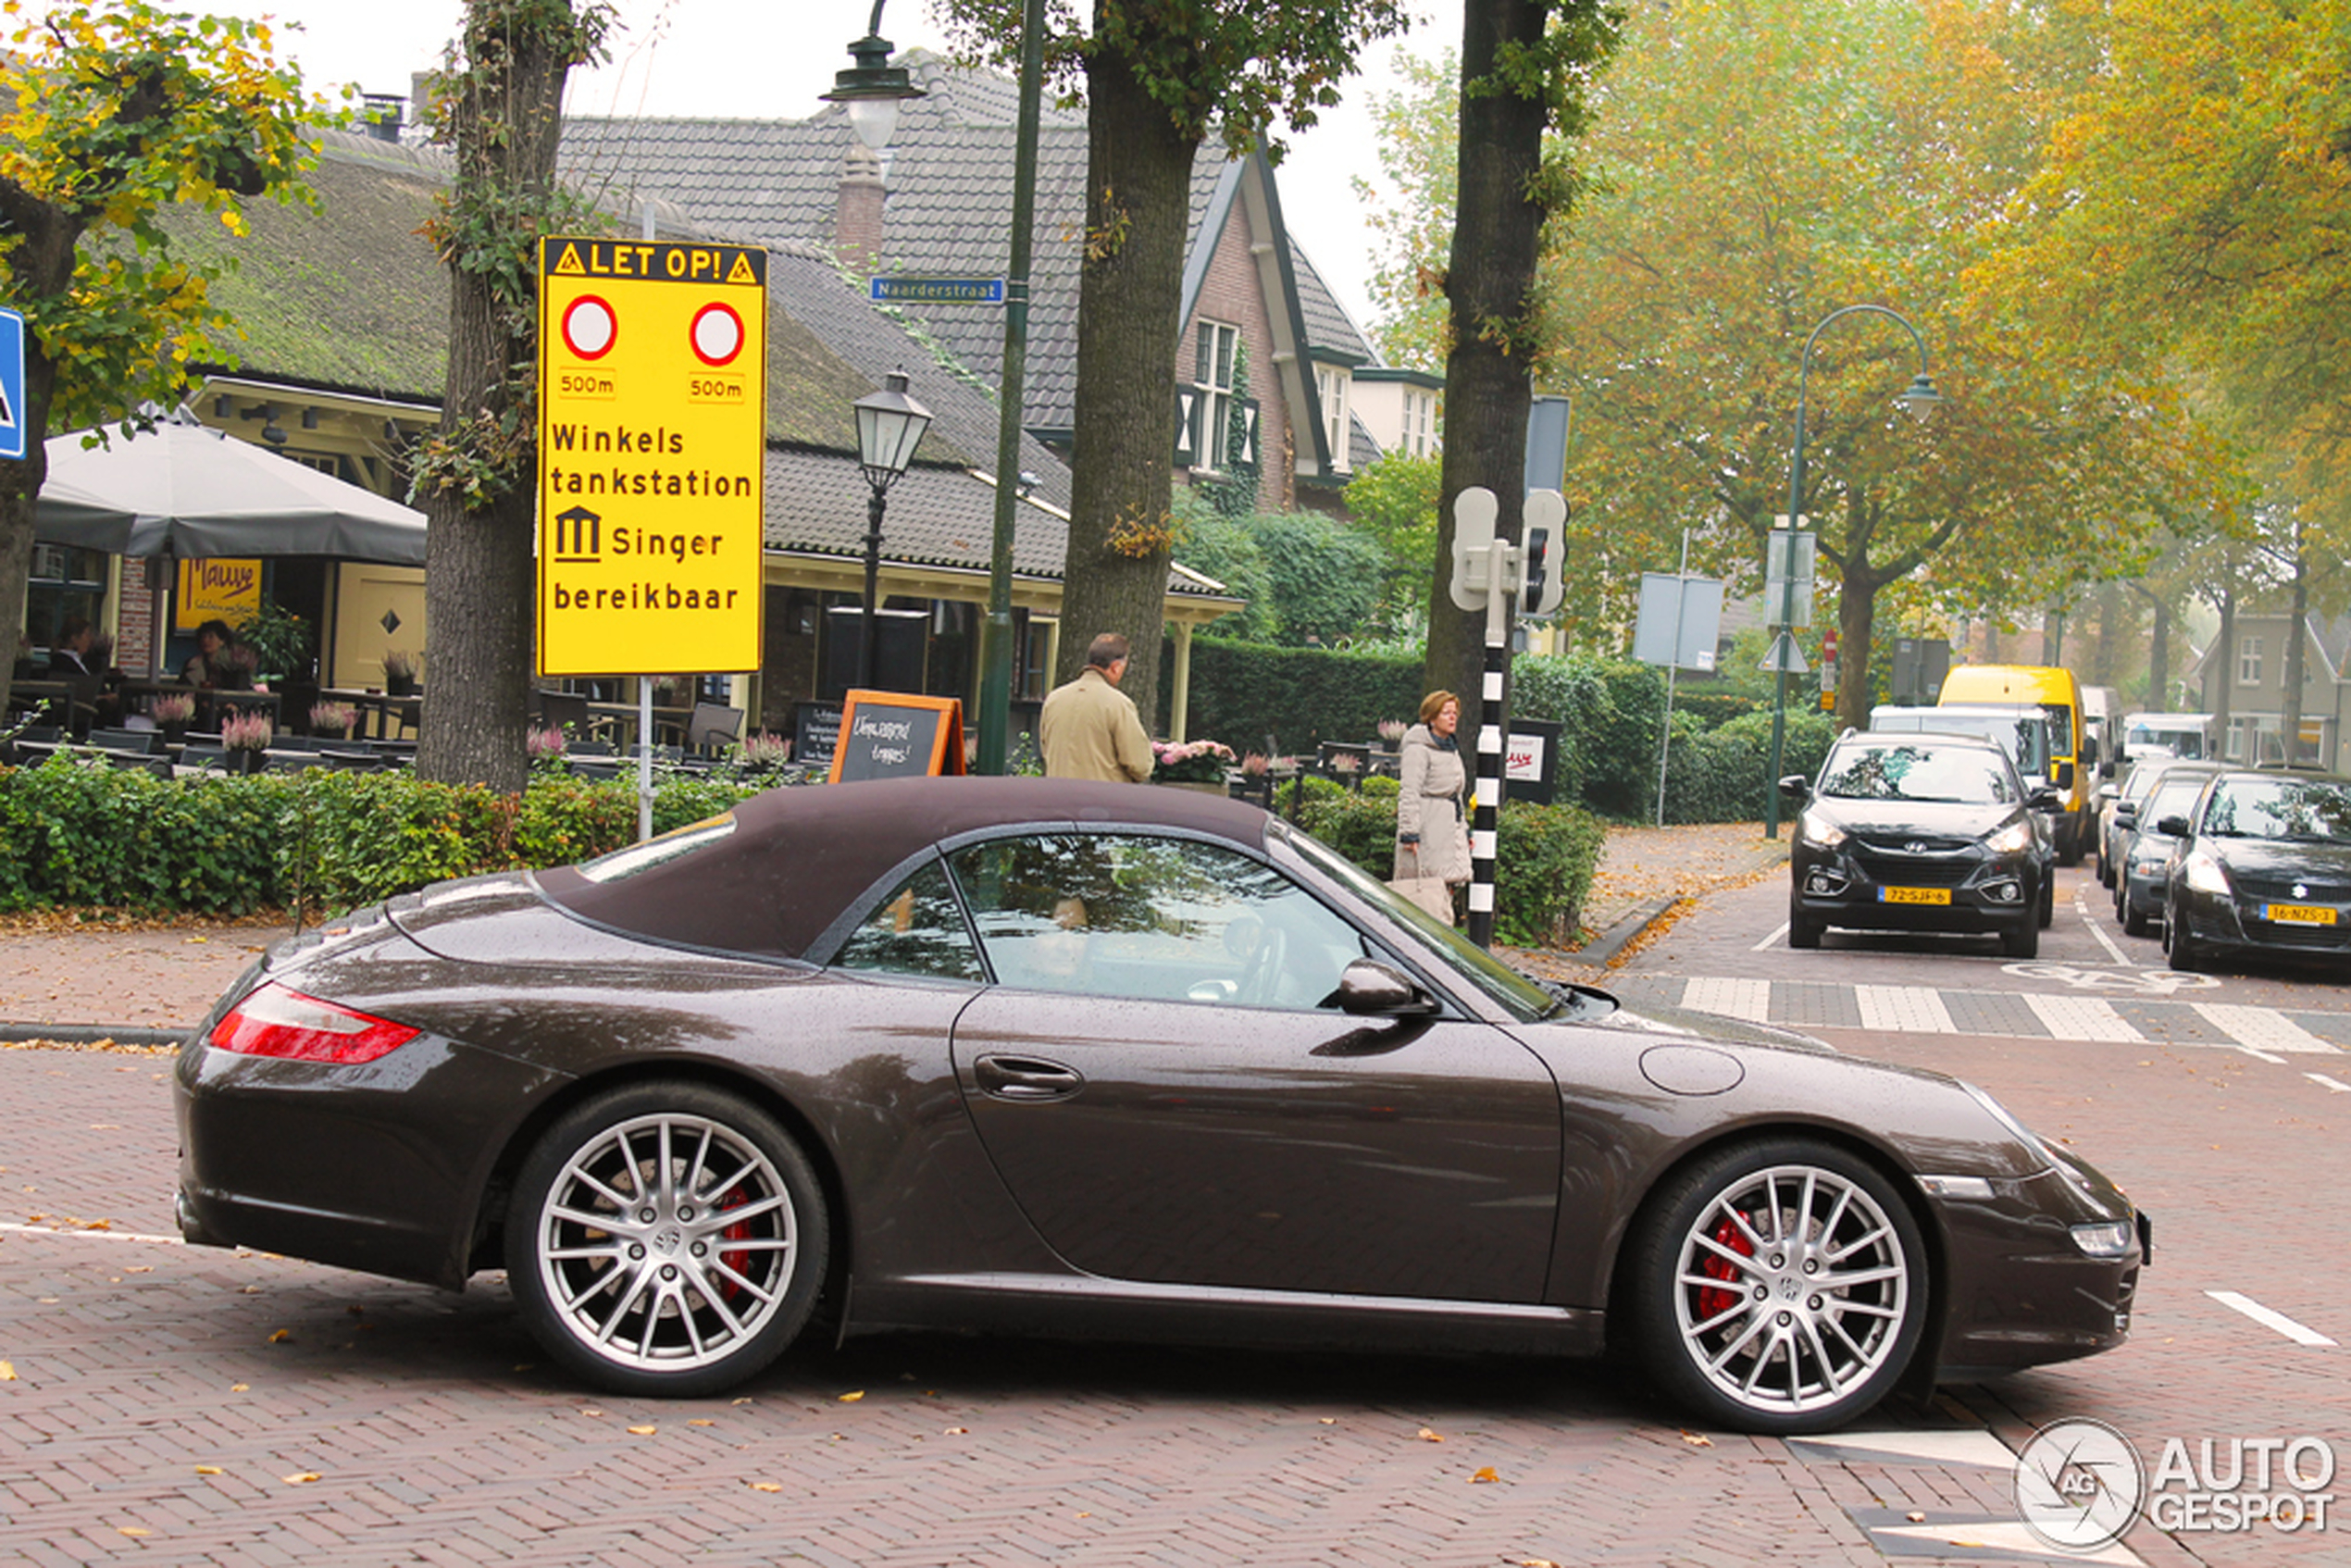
[[898, 289], [652, 422]]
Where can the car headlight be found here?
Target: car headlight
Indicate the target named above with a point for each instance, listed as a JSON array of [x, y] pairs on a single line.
[[2204, 872], [1819, 832], [2016, 835], [2107, 1239]]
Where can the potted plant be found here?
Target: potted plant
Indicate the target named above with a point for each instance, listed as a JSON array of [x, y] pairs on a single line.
[[173, 712], [399, 673], [1391, 733], [333, 720], [280, 643], [546, 748], [245, 737], [1190, 761], [761, 754]]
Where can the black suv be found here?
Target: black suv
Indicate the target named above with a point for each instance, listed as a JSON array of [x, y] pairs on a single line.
[[1914, 832]]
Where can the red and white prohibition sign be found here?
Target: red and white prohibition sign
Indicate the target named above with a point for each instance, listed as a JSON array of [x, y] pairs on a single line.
[[718, 335], [589, 327]]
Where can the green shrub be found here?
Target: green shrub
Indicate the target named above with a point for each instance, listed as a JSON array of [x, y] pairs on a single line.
[[1724, 775], [1242, 693]]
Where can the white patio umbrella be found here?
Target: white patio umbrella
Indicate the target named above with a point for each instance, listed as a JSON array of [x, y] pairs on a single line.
[[187, 491]]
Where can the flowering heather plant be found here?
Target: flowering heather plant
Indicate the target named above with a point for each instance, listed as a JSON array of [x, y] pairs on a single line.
[[1347, 762], [332, 719], [546, 745], [766, 748], [176, 708], [1393, 729], [1255, 765], [247, 732], [399, 665], [1199, 761]]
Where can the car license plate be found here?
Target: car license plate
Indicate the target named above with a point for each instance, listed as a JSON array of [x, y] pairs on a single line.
[[2299, 915], [1914, 895]]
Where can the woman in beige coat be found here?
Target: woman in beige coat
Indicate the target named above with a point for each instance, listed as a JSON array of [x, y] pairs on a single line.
[[1431, 807]]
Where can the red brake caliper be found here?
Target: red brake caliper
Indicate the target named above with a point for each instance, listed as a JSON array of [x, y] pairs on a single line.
[[739, 1260], [1714, 1303]]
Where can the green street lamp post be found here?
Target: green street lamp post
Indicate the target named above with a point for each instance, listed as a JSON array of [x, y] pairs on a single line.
[[890, 426], [1919, 397]]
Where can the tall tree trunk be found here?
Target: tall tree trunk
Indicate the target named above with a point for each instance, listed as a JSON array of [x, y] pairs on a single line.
[[478, 558], [1856, 617], [2159, 691], [2219, 671], [43, 263], [1488, 383], [1130, 313]]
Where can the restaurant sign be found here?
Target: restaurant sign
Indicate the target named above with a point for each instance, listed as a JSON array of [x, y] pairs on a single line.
[[218, 589], [653, 413]]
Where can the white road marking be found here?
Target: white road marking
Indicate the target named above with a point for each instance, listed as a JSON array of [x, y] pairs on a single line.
[[2004, 1536], [2081, 1018], [1976, 1447], [2324, 1081], [2081, 904], [2261, 1029], [78, 1233], [2269, 1318], [1750, 1000], [1909, 1009], [1773, 941]]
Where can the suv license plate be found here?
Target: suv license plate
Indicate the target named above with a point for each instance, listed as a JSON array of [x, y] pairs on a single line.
[[2299, 915], [1914, 895]]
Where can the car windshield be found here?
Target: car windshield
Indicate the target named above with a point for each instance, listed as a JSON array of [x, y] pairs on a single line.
[[2173, 797], [1525, 999], [1909, 771], [2313, 811]]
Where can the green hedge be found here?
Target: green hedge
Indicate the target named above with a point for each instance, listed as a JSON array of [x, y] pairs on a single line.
[[72, 835], [1544, 855], [1242, 692], [1723, 774]]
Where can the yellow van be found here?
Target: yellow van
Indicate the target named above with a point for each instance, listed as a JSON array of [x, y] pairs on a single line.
[[2073, 755]]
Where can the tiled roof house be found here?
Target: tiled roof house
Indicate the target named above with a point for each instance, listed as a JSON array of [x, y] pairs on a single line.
[[944, 187]]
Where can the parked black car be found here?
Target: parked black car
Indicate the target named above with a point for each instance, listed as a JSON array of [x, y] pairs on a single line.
[[1917, 832], [2143, 857], [1066, 1058], [2262, 865]]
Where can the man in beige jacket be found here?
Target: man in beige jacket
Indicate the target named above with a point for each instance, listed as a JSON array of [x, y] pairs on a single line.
[[1089, 728]]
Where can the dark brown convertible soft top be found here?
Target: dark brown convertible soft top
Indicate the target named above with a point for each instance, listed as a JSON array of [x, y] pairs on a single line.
[[796, 856]]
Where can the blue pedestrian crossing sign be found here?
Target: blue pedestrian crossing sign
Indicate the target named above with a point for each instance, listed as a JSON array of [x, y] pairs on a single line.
[[11, 383]]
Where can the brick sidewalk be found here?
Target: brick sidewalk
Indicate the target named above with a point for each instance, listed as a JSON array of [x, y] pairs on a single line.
[[138, 979]]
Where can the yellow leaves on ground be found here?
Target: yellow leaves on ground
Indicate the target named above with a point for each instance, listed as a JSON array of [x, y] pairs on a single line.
[[1428, 1437], [300, 1478], [852, 1399], [282, 1336], [207, 1469], [8, 1372], [764, 1485], [1697, 1439], [1485, 1474], [642, 1431]]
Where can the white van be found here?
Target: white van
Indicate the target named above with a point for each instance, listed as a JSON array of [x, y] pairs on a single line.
[[2187, 736]]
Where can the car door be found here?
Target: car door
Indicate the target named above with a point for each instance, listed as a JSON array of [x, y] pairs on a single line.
[[1156, 1078]]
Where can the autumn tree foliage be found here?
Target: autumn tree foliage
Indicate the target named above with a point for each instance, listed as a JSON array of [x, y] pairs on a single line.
[[108, 113], [1876, 160], [1158, 81]]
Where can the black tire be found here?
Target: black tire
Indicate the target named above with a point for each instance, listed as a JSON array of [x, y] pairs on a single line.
[[677, 1298], [1756, 1351], [1803, 931], [2023, 939], [2181, 950], [2048, 903], [2134, 922]]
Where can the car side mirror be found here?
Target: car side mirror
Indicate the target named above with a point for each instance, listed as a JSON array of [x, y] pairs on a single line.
[[1368, 988], [2173, 826], [2089, 750], [1796, 787], [2126, 814], [2065, 776], [2044, 799]]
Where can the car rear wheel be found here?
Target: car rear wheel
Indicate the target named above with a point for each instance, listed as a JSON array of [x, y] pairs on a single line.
[[665, 1238], [1778, 1287]]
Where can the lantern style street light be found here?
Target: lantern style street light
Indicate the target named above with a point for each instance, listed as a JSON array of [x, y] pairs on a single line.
[[890, 426], [1920, 397], [873, 88]]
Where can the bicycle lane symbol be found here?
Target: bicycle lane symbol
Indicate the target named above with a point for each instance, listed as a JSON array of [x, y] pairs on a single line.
[[2140, 982]]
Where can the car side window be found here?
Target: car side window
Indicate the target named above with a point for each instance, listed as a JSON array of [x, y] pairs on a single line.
[[1152, 918], [919, 930]]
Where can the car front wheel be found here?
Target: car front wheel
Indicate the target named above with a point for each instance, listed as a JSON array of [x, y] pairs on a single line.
[[2179, 950], [1778, 1287], [665, 1238]]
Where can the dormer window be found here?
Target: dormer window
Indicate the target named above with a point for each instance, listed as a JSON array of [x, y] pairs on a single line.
[[1332, 384]]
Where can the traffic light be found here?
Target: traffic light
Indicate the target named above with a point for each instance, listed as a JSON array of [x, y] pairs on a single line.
[[1542, 583]]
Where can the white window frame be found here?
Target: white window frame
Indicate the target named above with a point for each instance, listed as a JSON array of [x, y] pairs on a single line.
[[1332, 386], [1215, 345], [2249, 652]]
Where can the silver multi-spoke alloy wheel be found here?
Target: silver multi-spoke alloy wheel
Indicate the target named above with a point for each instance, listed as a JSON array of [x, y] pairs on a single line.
[[669, 1239], [1786, 1286]]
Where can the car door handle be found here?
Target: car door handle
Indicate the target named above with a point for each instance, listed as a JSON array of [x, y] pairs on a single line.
[[1027, 1077]]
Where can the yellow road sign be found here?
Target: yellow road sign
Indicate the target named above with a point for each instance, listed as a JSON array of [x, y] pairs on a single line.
[[653, 417]]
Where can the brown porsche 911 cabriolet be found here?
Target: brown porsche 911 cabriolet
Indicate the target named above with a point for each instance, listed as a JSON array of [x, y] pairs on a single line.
[[1077, 1058]]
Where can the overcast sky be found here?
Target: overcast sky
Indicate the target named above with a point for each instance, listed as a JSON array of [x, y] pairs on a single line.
[[768, 59]]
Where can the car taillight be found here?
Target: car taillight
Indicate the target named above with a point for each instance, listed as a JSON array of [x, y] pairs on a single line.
[[274, 1021]]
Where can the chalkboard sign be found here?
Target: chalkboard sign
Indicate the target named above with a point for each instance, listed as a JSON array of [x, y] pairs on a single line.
[[894, 735], [816, 727]]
